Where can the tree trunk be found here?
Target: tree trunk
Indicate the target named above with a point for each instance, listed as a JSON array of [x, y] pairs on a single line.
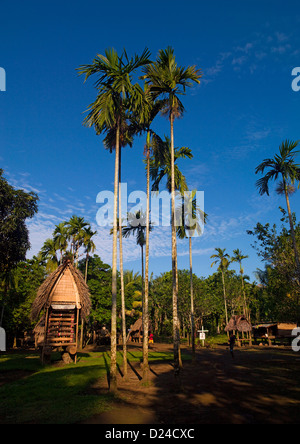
[[146, 295], [143, 281], [113, 362], [246, 312], [292, 232], [225, 300], [192, 300], [124, 336], [86, 267], [176, 331]]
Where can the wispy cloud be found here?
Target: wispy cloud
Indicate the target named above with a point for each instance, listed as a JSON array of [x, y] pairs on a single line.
[[251, 54]]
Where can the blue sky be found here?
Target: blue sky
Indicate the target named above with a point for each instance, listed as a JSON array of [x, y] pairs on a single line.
[[239, 114]]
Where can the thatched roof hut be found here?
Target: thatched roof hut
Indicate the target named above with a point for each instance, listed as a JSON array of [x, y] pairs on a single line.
[[64, 287], [238, 323], [137, 326]]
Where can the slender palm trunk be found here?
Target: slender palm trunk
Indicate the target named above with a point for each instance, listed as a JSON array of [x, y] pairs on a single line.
[[86, 266], [176, 331], [146, 296], [143, 282], [225, 299], [244, 295], [124, 336], [292, 232], [192, 300], [85, 280], [113, 363]]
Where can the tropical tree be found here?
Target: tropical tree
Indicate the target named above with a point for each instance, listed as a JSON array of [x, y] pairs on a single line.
[[160, 168], [48, 254], [76, 227], [125, 138], [282, 166], [193, 219], [136, 226], [143, 125], [61, 237], [89, 246], [222, 260], [239, 257], [161, 165], [116, 96], [169, 80], [15, 207]]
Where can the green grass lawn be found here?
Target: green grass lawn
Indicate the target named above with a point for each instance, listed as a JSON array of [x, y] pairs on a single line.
[[54, 394]]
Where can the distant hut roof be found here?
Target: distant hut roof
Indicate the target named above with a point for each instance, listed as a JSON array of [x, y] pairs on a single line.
[[238, 323], [138, 325], [65, 285]]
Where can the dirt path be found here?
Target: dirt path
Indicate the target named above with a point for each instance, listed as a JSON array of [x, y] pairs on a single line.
[[258, 386]]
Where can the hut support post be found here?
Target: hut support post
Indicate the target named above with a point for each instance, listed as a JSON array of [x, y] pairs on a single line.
[[77, 324], [45, 335]]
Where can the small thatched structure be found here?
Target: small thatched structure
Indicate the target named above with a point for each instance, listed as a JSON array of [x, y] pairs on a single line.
[[63, 296], [238, 323], [136, 331], [65, 286]]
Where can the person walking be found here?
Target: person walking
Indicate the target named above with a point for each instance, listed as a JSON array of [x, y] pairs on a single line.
[[232, 340]]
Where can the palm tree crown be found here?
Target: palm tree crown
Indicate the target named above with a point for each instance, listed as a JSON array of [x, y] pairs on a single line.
[[222, 259], [160, 164], [281, 166], [170, 80]]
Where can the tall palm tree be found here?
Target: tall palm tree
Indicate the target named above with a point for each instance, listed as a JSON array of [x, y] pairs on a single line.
[[61, 237], [239, 257], [89, 246], [161, 165], [169, 80], [116, 96], [282, 166], [137, 227], [76, 227], [125, 138], [193, 218], [48, 254], [154, 106], [222, 260], [160, 168]]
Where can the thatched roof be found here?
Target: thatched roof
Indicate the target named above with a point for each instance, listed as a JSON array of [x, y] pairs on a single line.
[[238, 323], [50, 290], [138, 325]]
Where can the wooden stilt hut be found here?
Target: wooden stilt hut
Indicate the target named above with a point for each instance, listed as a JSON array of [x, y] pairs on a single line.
[[63, 297], [239, 324], [136, 331]]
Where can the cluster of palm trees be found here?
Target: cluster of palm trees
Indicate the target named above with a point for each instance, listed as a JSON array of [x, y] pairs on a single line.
[[283, 166], [223, 260], [68, 237], [122, 109]]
